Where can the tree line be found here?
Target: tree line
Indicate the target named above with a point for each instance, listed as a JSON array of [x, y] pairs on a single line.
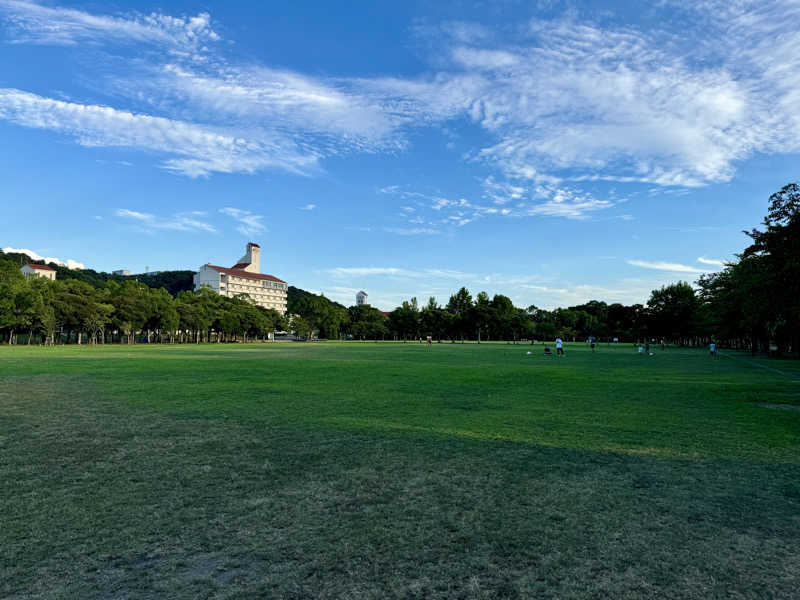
[[752, 303], [73, 311], [482, 318]]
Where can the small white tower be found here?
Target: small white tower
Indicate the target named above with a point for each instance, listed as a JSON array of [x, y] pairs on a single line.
[[361, 298], [251, 261]]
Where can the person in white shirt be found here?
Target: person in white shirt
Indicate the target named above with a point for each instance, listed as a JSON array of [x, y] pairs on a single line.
[[712, 347], [559, 347]]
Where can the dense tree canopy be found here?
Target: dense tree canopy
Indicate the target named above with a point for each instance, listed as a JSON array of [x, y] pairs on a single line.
[[754, 303]]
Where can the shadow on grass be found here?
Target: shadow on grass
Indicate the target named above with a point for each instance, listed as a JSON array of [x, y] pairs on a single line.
[[107, 500]]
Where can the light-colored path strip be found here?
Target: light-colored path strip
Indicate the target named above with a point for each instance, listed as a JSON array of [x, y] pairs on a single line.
[[791, 376]]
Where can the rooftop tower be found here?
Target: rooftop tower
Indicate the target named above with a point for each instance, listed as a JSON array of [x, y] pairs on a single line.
[[251, 261]]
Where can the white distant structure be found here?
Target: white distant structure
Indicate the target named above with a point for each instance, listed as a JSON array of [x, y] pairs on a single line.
[[32, 270], [362, 299], [245, 277], [122, 272]]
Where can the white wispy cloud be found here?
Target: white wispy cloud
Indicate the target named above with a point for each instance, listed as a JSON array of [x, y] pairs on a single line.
[[587, 102], [354, 272], [69, 263], [31, 22], [257, 117], [412, 230], [132, 214], [583, 99], [365, 271], [186, 221], [667, 266], [249, 224], [558, 100], [563, 202], [341, 115], [308, 207], [507, 200], [711, 261], [196, 150]]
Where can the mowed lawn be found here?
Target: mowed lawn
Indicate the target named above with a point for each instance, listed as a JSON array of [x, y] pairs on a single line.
[[364, 470]]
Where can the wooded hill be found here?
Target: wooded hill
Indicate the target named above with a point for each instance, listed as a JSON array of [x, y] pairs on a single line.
[[172, 281]]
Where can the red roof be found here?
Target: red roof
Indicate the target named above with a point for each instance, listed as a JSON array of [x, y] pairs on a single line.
[[254, 244], [40, 267], [242, 273], [240, 265]]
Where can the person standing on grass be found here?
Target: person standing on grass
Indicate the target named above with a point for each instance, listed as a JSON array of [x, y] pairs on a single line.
[[712, 347], [592, 342], [559, 347]]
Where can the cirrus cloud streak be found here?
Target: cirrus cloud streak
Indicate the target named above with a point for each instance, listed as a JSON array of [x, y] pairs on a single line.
[[197, 150]]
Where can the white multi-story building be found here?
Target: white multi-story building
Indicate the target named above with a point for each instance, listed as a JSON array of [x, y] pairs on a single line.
[[245, 277], [32, 270], [361, 298], [124, 272]]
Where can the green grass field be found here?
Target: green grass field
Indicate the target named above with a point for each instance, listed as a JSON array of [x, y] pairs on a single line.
[[366, 470]]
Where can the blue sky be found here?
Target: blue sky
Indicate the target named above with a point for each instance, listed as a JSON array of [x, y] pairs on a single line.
[[555, 152]]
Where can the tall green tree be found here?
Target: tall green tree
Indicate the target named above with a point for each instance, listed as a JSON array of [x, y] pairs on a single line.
[[460, 307], [132, 307], [404, 320], [434, 320], [18, 301], [674, 312], [776, 248]]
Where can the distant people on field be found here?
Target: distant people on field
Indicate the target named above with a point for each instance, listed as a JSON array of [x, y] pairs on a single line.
[[559, 347], [663, 345], [641, 350], [647, 347], [712, 347], [592, 342]]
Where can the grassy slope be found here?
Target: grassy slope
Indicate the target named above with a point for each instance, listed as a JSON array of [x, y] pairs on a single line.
[[392, 470]]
